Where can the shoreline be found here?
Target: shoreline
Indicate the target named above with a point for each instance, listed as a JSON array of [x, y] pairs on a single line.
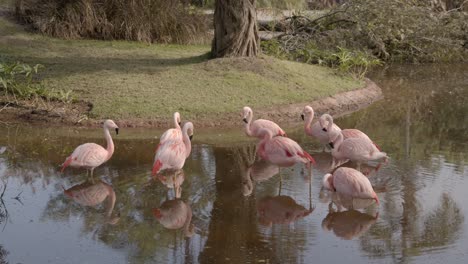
[[337, 105]]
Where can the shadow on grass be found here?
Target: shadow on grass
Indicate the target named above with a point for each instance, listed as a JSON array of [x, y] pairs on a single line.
[[62, 66]]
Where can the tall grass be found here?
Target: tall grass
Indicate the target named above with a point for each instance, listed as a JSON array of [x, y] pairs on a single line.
[[162, 21]]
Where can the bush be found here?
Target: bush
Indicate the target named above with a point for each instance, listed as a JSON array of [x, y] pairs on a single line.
[[17, 81], [159, 21], [390, 30]]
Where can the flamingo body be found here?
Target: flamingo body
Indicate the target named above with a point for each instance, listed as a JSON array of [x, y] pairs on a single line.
[[172, 153], [350, 182], [175, 214], [91, 155], [252, 128], [281, 151]]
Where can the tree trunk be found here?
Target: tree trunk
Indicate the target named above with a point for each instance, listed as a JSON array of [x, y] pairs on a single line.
[[236, 31]]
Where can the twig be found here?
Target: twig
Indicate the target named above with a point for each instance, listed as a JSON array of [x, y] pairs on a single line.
[[5, 183], [18, 198]]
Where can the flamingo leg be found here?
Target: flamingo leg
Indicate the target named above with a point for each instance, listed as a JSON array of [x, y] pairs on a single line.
[[358, 166], [175, 185], [281, 183], [92, 177]]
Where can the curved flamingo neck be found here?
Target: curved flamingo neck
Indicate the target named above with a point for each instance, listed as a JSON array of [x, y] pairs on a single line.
[[111, 202], [187, 143], [110, 143], [176, 121], [308, 122], [329, 119], [338, 142], [248, 131]]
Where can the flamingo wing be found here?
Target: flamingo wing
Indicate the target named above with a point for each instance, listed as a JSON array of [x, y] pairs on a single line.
[[267, 124], [357, 149], [351, 182], [170, 155], [171, 134], [88, 155]]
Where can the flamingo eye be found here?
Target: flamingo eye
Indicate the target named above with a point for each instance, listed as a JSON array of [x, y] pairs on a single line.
[[324, 129]]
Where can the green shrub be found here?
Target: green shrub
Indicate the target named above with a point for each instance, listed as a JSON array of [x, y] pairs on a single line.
[[17, 81], [159, 21]]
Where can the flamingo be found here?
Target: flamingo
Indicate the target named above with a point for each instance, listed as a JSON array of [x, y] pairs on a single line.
[[315, 129], [91, 155], [281, 151], [326, 121], [172, 154], [172, 133], [92, 194], [175, 214], [252, 129], [355, 149], [350, 182]]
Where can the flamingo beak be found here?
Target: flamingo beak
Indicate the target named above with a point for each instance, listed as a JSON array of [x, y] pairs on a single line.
[[324, 129], [331, 145], [117, 131], [191, 137], [180, 123], [302, 116], [157, 213], [245, 120]]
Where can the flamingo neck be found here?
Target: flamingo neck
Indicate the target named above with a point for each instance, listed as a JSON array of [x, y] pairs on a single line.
[[110, 202], [248, 131], [110, 143], [176, 122], [187, 143], [308, 123], [329, 119], [337, 144]]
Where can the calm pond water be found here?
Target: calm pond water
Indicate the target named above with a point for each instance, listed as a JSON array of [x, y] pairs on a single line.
[[229, 213]]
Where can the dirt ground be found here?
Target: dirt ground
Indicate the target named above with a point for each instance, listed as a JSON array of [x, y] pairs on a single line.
[[60, 114]]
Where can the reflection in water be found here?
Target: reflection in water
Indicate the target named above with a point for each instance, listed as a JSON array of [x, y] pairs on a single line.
[[421, 123], [348, 224], [344, 201], [175, 214], [172, 180], [92, 194], [260, 171], [280, 210]]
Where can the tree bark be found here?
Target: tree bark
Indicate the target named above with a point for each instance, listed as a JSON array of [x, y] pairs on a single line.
[[236, 30]]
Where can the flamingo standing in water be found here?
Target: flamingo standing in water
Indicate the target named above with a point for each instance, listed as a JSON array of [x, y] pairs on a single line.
[[282, 151], [350, 182], [315, 129], [91, 155], [355, 149], [326, 122], [252, 128], [172, 133], [172, 154]]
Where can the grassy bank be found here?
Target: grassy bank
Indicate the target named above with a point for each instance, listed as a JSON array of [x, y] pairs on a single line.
[[125, 80]]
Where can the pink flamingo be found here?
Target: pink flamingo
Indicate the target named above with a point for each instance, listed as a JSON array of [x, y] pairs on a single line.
[[172, 154], [315, 130], [252, 129], [355, 149], [350, 182], [91, 155], [326, 122], [281, 151], [172, 133]]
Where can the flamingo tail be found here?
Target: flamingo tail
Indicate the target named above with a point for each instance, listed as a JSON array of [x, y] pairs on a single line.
[[66, 163], [377, 146], [157, 166], [376, 198], [308, 156]]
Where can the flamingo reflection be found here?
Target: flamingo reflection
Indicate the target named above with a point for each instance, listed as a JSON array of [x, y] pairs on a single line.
[[348, 224], [93, 194], [260, 171], [173, 180], [175, 214], [280, 210]]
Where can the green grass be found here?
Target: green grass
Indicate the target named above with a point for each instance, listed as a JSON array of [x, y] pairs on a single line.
[[126, 80]]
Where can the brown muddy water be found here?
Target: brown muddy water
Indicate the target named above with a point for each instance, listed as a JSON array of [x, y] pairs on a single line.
[[229, 213]]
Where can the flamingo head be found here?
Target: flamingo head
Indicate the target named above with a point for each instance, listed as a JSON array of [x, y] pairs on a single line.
[[109, 124], [246, 114], [308, 112], [327, 181], [177, 118]]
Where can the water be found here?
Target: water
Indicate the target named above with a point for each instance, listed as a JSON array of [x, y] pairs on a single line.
[[422, 124]]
